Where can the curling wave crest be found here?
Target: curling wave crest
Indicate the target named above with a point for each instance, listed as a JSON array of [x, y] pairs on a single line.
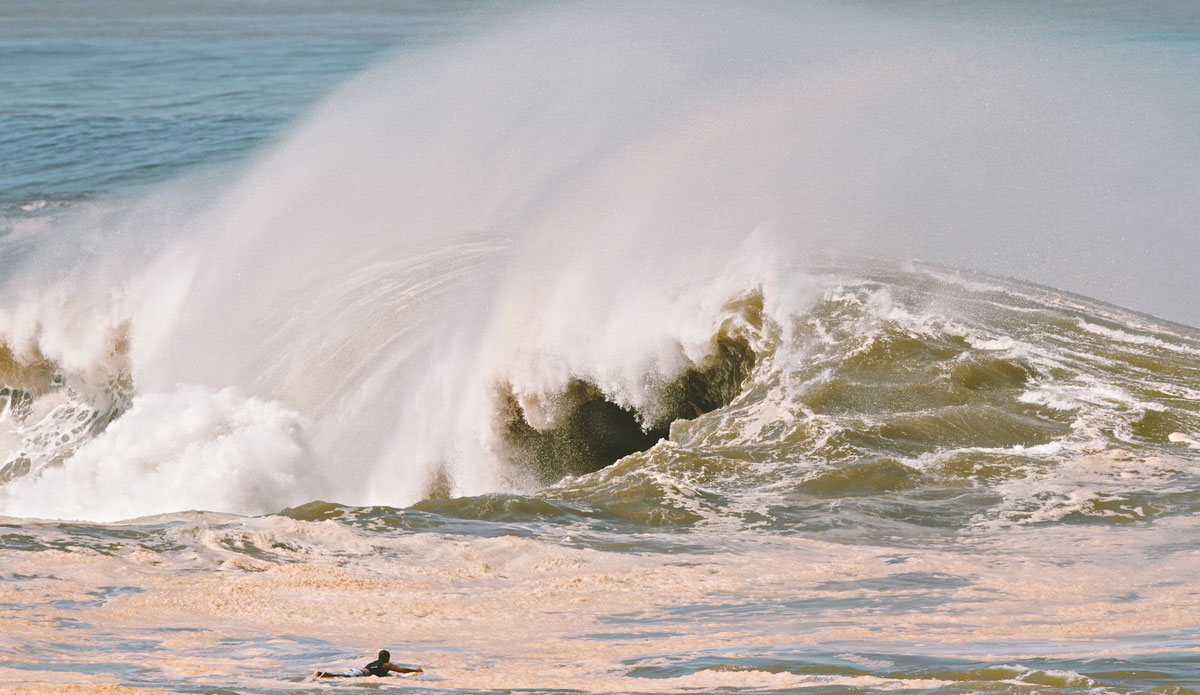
[[611, 253]]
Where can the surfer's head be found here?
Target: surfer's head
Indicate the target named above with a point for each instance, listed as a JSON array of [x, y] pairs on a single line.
[[385, 655]]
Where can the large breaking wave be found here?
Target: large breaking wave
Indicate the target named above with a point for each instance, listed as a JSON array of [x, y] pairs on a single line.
[[527, 255]]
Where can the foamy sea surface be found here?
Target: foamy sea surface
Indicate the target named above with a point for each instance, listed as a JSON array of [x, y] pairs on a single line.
[[621, 349]]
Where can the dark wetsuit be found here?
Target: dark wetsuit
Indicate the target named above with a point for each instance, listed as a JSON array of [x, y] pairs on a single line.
[[379, 667]]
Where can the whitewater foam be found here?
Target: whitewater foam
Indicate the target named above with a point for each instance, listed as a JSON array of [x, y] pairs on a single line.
[[192, 449], [1181, 438], [1134, 339]]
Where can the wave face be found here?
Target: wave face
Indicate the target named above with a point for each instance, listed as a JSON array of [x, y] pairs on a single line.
[[929, 401], [592, 237]]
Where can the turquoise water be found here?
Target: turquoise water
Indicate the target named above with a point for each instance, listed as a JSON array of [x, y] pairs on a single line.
[[816, 349]]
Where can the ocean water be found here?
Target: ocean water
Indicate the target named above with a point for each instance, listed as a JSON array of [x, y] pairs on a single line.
[[626, 348]]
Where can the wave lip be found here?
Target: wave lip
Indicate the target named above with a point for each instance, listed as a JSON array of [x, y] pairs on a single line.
[[580, 430]]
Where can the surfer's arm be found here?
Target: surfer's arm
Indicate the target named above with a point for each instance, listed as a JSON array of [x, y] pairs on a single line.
[[401, 669]]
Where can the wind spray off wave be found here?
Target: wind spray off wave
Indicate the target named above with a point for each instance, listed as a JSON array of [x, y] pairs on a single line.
[[493, 263]]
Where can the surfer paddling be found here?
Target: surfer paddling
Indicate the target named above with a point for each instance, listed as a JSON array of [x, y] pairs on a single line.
[[380, 667]]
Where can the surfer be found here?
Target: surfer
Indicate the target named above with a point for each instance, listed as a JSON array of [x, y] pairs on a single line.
[[380, 667]]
